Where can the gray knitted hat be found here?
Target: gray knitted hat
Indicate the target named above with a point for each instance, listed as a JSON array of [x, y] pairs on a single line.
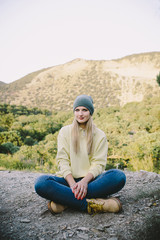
[[85, 101]]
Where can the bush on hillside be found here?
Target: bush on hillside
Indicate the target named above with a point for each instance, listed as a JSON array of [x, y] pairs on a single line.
[[133, 134], [8, 148]]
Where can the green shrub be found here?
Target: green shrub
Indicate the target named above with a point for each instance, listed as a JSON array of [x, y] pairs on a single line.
[[8, 148], [29, 141]]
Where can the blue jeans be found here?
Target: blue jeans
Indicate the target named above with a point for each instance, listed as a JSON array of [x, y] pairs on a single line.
[[57, 189]]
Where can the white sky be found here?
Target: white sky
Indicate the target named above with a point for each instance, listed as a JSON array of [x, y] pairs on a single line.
[[35, 34]]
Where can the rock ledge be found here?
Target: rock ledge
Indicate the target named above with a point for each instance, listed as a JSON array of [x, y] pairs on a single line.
[[24, 215]]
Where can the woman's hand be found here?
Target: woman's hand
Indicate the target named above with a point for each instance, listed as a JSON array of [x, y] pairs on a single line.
[[80, 189]]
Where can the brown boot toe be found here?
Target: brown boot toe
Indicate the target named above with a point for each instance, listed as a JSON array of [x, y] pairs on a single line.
[[112, 205], [55, 207]]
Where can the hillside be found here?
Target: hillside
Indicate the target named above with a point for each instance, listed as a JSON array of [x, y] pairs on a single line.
[[109, 82], [2, 83]]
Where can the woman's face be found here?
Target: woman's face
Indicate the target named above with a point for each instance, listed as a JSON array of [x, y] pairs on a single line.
[[82, 114]]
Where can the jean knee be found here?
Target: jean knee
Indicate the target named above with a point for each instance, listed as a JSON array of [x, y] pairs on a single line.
[[119, 175], [123, 178], [39, 183]]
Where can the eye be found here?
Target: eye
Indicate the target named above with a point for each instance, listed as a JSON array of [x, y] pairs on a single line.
[[84, 110], [76, 110]]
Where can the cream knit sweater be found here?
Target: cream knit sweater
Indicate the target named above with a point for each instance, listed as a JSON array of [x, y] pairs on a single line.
[[80, 164]]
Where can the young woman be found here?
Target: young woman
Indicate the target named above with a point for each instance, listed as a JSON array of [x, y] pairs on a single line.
[[81, 182]]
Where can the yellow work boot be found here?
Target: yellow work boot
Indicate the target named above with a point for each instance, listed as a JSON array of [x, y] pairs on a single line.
[[55, 207], [112, 205]]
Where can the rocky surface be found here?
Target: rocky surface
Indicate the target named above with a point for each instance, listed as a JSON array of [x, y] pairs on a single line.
[[24, 215]]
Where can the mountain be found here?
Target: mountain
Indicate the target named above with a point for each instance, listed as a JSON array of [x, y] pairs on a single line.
[[2, 83], [109, 82]]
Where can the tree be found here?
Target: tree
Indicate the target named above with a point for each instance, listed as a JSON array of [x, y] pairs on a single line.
[[156, 158], [158, 78], [8, 147]]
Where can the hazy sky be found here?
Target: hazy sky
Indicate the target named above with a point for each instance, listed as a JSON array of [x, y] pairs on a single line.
[[35, 34]]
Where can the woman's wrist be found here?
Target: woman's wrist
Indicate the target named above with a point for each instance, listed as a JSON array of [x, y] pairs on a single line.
[[72, 185], [88, 178], [70, 180]]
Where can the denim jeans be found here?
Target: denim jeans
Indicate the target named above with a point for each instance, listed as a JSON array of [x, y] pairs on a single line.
[[57, 189]]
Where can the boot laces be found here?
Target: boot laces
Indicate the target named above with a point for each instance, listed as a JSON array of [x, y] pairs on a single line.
[[94, 208]]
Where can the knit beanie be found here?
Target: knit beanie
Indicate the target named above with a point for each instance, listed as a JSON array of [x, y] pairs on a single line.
[[85, 101]]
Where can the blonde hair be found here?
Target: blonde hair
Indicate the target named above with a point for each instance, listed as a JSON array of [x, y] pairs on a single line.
[[89, 134]]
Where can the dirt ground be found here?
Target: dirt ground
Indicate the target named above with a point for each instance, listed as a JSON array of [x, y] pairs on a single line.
[[24, 215]]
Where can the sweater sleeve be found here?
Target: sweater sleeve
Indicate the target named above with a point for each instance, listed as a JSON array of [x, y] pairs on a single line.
[[63, 156], [99, 158]]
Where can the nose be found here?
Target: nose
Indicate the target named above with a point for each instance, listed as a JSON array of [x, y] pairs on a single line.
[[80, 112]]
